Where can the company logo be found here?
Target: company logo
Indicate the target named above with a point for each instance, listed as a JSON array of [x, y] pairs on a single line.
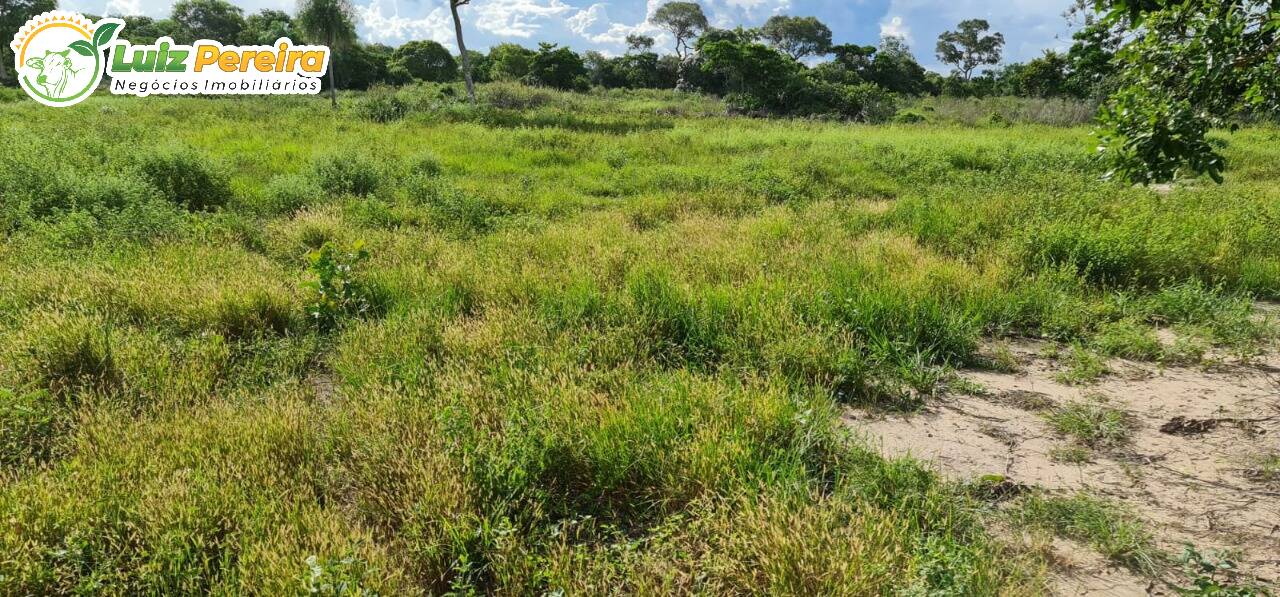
[[61, 57]]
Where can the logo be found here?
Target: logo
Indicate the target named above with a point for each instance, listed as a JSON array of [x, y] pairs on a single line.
[[61, 57]]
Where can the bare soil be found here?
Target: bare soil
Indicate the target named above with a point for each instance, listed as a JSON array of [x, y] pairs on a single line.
[[1186, 471]]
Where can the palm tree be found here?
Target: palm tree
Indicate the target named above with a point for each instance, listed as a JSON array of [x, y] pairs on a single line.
[[331, 23], [462, 48]]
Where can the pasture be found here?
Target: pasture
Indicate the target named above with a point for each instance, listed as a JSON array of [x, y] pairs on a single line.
[[558, 342]]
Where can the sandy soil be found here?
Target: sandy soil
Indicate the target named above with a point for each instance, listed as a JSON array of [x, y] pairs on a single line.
[[1186, 471]]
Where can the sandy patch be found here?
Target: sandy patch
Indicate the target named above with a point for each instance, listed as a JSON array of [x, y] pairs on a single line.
[[1186, 470]]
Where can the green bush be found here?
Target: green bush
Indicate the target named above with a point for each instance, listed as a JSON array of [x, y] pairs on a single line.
[[382, 105], [347, 172], [288, 193], [187, 177]]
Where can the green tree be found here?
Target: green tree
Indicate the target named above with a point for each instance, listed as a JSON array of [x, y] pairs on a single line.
[[426, 61], [1045, 76], [263, 28], [510, 62], [462, 48], [207, 19], [328, 22], [639, 44], [797, 37], [13, 15], [146, 30], [894, 67], [1190, 65], [684, 20], [967, 48], [558, 67]]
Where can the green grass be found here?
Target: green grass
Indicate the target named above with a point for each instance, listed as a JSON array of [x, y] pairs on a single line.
[[1091, 423], [1105, 526], [604, 347]]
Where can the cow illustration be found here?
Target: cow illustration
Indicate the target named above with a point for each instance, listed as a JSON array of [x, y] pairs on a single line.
[[55, 71]]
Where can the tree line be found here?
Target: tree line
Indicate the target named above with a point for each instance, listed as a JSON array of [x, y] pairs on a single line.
[[1165, 71]]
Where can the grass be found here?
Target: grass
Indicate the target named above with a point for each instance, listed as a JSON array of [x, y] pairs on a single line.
[[600, 344], [1091, 423], [1110, 529]]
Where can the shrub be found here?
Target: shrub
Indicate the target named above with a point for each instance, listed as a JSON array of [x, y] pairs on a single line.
[[514, 96], [425, 164], [288, 193], [382, 105], [451, 209], [346, 172], [337, 292], [909, 117], [187, 177]]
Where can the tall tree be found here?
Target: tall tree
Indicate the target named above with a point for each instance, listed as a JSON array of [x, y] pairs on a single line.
[[510, 62], [426, 61], [462, 48], [263, 28], [1189, 66], [797, 37], [967, 47], [684, 20], [13, 15], [329, 22], [639, 43], [207, 19]]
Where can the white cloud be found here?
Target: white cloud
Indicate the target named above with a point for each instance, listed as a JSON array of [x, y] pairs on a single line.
[[124, 7], [436, 25], [517, 18], [895, 27]]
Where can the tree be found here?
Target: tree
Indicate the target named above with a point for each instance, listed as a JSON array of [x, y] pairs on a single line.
[[462, 48], [1045, 76], [510, 62], [639, 44], [558, 67], [1091, 59], [797, 37], [207, 19], [426, 61], [967, 48], [265, 27], [684, 20], [329, 22], [894, 67], [1190, 65], [13, 15]]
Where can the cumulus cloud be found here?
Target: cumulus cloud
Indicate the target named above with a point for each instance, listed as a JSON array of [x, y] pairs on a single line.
[[124, 7], [895, 27], [517, 18], [375, 26]]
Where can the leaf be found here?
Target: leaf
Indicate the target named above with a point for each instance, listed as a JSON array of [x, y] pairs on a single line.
[[82, 47], [104, 34]]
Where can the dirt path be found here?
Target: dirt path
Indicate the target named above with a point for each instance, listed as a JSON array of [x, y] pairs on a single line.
[[1191, 478]]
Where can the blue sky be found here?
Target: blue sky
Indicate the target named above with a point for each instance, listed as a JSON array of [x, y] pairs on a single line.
[[1029, 26]]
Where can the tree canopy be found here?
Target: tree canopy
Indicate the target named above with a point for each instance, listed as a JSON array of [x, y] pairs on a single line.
[[684, 20], [425, 61], [1191, 65], [797, 37], [967, 47], [207, 19], [13, 15]]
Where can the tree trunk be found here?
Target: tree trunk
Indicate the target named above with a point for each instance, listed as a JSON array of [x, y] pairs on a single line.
[[333, 84], [462, 49]]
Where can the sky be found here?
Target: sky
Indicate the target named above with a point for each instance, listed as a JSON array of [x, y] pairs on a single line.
[[1029, 26]]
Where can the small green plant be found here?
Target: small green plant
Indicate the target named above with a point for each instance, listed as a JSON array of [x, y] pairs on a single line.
[[337, 292], [382, 105], [1071, 454], [1083, 366], [1092, 423], [288, 193], [1213, 574]]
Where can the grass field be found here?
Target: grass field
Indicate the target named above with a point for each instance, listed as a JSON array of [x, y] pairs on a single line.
[[552, 343]]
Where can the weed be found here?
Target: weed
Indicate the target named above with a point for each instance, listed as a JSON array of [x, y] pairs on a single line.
[[337, 292], [348, 172], [1071, 454], [1092, 423], [1214, 574], [288, 193], [1083, 366], [186, 177]]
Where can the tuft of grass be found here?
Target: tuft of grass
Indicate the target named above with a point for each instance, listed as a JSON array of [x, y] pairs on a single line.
[[1071, 454], [1092, 423], [1105, 526], [1083, 366]]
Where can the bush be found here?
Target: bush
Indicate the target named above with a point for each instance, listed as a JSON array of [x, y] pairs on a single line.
[[451, 209], [187, 177], [288, 193], [382, 105], [909, 117], [425, 164], [347, 173], [514, 96]]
